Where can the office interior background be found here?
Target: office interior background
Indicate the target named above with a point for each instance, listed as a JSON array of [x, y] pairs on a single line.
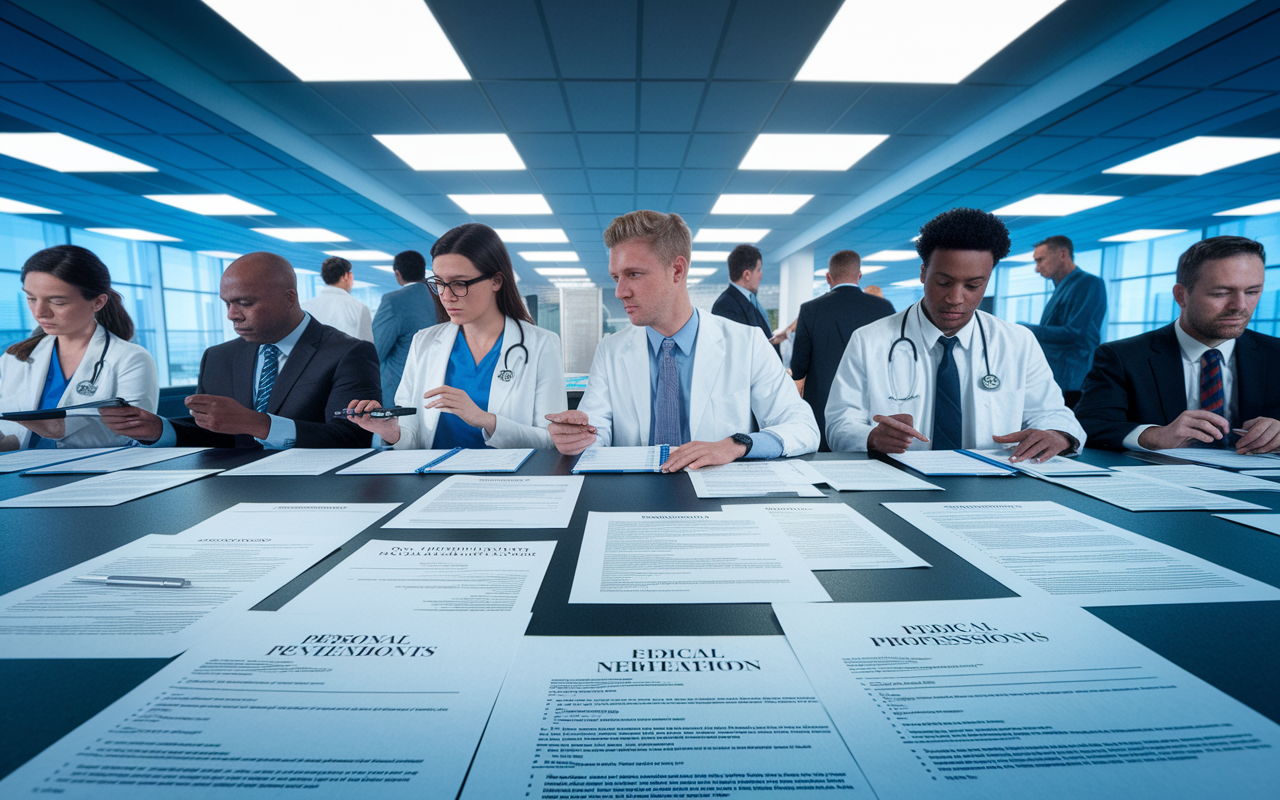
[[169, 136]]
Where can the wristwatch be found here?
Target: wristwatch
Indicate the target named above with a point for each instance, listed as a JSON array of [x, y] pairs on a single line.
[[744, 440]]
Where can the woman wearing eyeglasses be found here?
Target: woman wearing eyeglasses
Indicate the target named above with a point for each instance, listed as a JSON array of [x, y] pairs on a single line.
[[486, 378]]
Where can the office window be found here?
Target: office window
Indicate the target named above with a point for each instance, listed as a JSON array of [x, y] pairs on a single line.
[[194, 318], [20, 238], [132, 265]]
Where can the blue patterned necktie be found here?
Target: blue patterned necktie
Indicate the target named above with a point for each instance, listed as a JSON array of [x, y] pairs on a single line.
[[947, 415], [1212, 397], [666, 416], [270, 357]]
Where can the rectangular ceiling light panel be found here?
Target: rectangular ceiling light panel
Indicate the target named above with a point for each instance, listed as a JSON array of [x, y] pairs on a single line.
[[1199, 155], [348, 40], [549, 255], [560, 272], [532, 235], [64, 154], [302, 234], [384, 267], [702, 272], [1142, 234], [711, 255], [211, 205], [1030, 255], [8, 206], [502, 203], [134, 234], [760, 203], [892, 255], [1254, 210], [454, 151], [727, 235], [220, 254], [918, 41], [360, 255], [1054, 205], [827, 152]]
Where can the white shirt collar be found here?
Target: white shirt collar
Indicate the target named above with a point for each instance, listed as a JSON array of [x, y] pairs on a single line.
[[1193, 349]]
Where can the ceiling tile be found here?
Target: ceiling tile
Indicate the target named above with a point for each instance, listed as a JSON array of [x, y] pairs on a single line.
[[529, 106], [602, 105]]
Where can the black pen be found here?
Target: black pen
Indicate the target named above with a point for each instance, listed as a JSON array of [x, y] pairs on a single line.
[[378, 413]]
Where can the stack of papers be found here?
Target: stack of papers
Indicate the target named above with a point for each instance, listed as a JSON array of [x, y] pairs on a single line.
[[107, 490], [1055, 466], [21, 460], [622, 459], [792, 478], [950, 462], [465, 501], [1138, 492], [484, 459], [124, 458], [1220, 457], [868, 476], [300, 461], [1206, 478], [833, 536]]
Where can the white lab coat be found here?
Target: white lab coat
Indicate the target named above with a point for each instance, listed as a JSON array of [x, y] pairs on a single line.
[[336, 308], [521, 404], [1027, 396], [736, 373], [128, 372]]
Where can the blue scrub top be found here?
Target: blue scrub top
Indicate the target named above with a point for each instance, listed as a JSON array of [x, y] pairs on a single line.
[[55, 385], [474, 379]]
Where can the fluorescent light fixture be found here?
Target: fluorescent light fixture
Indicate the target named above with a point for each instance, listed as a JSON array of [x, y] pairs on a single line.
[[827, 152], [361, 285], [133, 233], [65, 154], [702, 272], [722, 235], [867, 270], [384, 267], [454, 151], [1199, 155], [502, 203], [343, 40], [304, 271], [220, 254], [908, 283], [760, 203], [548, 255], [710, 255], [532, 235], [1054, 205], [893, 255], [1030, 255], [914, 41], [560, 272], [819, 273], [8, 206], [211, 205], [574, 284], [692, 281], [1142, 234], [1265, 207], [360, 255], [302, 234]]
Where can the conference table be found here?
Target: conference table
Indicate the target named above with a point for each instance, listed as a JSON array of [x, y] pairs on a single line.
[[1233, 646]]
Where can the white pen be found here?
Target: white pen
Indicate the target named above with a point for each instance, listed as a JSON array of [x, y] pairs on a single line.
[[135, 580]]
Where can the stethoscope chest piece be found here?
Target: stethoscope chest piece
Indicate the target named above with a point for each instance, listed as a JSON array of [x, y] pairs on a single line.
[[86, 388], [505, 375], [990, 382]]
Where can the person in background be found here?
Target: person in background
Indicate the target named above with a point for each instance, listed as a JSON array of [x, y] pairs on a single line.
[[401, 314], [824, 326], [1071, 324], [739, 301], [277, 385], [334, 306], [696, 382], [80, 353], [1203, 379], [486, 378], [874, 291]]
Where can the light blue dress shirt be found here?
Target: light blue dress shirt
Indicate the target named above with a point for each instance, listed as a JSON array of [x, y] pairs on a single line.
[[752, 298]]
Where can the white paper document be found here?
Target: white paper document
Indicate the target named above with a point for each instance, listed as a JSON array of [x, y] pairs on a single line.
[[1221, 457], [300, 461], [481, 459], [1134, 491], [107, 490], [480, 501], [233, 560], [398, 576], [1039, 549], [21, 460], [1262, 473], [393, 462], [286, 705], [710, 557], [622, 459], [1206, 478], [660, 717], [949, 462], [790, 478], [834, 536], [1054, 466], [124, 458], [1263, 522], [868, 476], [1015, 698]]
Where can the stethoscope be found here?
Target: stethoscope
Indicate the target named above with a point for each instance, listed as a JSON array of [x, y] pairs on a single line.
[[90, 387], [989, 381], [505, 374]]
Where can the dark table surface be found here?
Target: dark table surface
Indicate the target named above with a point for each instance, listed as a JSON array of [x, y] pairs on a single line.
[[1234, 646]]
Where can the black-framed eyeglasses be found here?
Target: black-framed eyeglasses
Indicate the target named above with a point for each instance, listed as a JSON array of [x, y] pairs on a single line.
[[458, 288]]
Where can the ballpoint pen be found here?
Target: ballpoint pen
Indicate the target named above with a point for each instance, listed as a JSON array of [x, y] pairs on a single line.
[[134, 580]]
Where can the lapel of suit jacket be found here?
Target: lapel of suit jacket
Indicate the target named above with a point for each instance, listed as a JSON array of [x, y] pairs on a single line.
[[499, 389], [298, 359], [707, 362], [633, 379], [244, 361], [1166, 372], [1251, 371]]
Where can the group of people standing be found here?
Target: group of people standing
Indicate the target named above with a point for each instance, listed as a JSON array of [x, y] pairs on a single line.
[[939, 373]]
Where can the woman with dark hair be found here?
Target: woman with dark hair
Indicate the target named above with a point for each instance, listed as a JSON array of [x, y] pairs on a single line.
[[80, 353], [486, 378]]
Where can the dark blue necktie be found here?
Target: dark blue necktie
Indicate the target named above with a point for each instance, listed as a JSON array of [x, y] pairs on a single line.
[[948, 419], [270, 359], [1212, 397]]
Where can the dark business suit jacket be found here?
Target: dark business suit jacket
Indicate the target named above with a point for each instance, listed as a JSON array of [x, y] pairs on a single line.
[[1139, 381], [1071, 327], [822, 331], [326, 370], [401, 314], [733, 304]]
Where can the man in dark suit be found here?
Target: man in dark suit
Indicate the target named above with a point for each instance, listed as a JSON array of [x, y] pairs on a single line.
[[739, 302], [401, 314], [278, 384], [1201, 377], [823, 329]]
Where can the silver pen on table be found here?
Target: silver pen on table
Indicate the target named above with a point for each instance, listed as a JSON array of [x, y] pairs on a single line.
[[134, 580]]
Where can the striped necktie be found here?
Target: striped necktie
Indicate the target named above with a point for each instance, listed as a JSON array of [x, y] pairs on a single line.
[[1212, 397], [666, 409], [270, 359], [948, 418]]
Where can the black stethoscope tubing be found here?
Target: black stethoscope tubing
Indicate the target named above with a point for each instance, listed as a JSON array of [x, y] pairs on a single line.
[[505, 374], [989, 381], [90, 386]]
